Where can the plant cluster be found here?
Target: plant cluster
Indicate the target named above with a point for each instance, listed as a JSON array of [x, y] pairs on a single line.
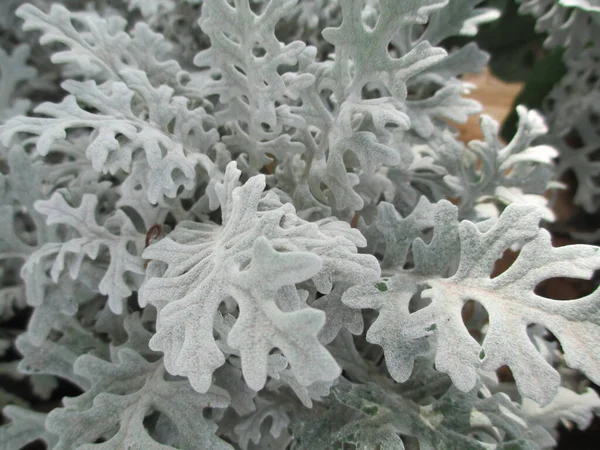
[[251, 224]]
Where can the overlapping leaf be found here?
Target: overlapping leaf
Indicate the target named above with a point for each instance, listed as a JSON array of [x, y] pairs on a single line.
[[124, 247], [100, 47], [574, 24], [509, 300], [122, 393], [492, 172], [25, 428], [120, 129], [243, 61], [369, 417], [256, 256], [361, 57]]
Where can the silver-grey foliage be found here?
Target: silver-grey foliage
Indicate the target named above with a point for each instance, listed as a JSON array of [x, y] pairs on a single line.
[[231, 221]]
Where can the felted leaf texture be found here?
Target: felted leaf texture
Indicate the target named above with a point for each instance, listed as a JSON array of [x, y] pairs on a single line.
[[255, 257], [100, 48], [391, 235], [370, 417], [124, 246], [242, 68], [25, 427], [437, 92], [130, 116], [58, 303], [516, 173], [249, 429], [355, 125], [509, 299], [56, 357], [307, 19], [120, 188], [122, 393], [364, 48], [243, 61], [337, 315]]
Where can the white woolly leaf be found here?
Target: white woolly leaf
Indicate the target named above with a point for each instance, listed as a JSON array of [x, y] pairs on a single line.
[[122, 393], [24, 428], [255, 257], [124, 247], [119, 131], [567, 407], [509, 300]]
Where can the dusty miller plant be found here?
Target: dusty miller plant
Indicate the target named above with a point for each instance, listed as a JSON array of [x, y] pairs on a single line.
[[572, 108], [251, 224]]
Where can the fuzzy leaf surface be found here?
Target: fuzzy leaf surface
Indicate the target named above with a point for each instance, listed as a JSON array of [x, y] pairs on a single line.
[[256, 257], [509, 300]]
